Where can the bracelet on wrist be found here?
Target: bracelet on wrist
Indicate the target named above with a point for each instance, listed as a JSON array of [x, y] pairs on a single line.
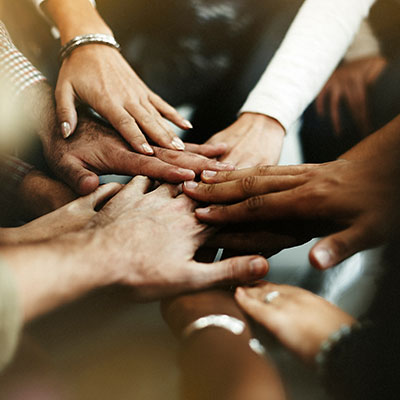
[[230, 324], [328, 344], [83, 40]]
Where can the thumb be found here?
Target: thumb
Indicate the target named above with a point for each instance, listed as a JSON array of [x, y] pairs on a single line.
[[66, 112], [232, 270], [334, 249], [79, 178]]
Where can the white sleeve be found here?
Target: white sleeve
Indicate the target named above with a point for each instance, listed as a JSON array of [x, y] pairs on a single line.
[[54, 30], [314, 45]]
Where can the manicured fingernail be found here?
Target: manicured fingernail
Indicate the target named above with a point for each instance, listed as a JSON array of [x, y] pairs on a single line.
[[209, 174], [66, 130], [187, 171], [191, 184], [203, 211], [323, 257], [225, 166], [147, 148], [178, 144], [187, 124], [257, 266]]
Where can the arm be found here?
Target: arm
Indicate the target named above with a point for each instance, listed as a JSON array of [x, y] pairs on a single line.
[[314, 45], [215, 362], [99, 76]]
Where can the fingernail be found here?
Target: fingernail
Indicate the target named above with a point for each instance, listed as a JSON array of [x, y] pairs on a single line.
[[178, 144], [147, 148], [203, 211], [209, 174], [257, 266], [66, 130], [224, 165], [187, 171], [191, 184], [187, 124], [323, 257]]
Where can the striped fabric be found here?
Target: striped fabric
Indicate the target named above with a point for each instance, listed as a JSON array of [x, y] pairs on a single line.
[[16, 71]]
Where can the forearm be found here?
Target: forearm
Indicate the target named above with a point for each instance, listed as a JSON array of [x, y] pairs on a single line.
[[53, 273], [384, 144], [74, 18], [216, 363]]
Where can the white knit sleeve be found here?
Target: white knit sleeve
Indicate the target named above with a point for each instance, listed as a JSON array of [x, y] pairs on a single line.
[[314, 45]]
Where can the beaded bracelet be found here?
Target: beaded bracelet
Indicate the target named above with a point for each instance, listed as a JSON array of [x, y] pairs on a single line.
[[91, 38]]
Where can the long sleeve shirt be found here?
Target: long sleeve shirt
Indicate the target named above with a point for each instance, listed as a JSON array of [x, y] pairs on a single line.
[[314, 45]]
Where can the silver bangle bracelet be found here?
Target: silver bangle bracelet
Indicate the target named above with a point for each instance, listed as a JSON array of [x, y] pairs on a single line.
[[231, 324], [91, 38]]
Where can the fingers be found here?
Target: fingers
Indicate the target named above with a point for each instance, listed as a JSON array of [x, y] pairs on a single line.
[[79, 178], [232, 270], [261, 170], [170, 191], [241, 189], [335, 248], [169, 112], [335, 110], [356, 97], [66, 112], [268, 207], [135, 189], [103, 193], [126, 125], [207, 150], [190, 161], [130, 163], [253, 307], [156, 128]]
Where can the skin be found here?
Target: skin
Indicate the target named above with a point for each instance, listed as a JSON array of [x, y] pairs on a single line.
[[144, 240], [354, 197], [99, 76], [252, 140], [350, 84], [214, 352], [96, 148], [299, 319]]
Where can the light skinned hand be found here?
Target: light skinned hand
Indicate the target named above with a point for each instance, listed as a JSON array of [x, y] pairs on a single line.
[[354, 199], [350, 83], [252, 140], [99, 76], [149, 241], [71, 217], [299, 319], [97, 149]]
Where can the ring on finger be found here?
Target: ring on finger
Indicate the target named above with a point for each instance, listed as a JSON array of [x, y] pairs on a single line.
[[269, 297]]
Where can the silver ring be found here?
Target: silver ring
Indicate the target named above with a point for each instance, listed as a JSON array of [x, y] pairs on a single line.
[[271, 296]]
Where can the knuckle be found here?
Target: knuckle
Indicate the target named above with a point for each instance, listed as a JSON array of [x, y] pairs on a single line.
[[254, 203], [263, 169], [248, 184], [209, 189], [340, 246], [124, 122]]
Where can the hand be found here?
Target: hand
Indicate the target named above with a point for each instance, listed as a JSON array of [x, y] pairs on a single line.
[[357, 197], [96, 148], [71, 217], [299, 319], [99, 76], [253, 139], [350, 83], [148, 241]]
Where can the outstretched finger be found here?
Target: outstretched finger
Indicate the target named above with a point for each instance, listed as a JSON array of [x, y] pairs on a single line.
[[103, 193], [336, 248], [66, 112], [207, 150], [233, 270], [169, 112], [240, 189], [260, 170]]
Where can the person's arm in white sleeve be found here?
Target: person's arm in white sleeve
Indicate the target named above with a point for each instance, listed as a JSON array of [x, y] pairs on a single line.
[[314, 45]]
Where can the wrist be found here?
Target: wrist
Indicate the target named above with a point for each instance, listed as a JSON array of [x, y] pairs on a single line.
[[75, 18], [264, 123]]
